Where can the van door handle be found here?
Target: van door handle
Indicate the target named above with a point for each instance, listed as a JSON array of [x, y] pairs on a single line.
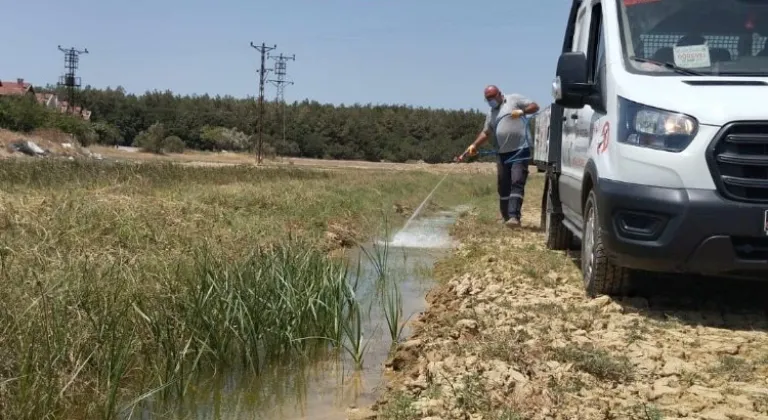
[[574, 116]]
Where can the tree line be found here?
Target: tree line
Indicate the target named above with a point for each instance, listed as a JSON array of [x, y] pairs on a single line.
[[164, 121]]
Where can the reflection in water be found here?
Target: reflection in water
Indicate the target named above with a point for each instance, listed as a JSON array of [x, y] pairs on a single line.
[[322, 388]]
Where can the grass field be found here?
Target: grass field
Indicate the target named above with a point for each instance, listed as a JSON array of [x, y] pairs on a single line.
[[123, 280]]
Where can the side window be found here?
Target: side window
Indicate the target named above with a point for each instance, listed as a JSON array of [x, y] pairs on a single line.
[[578, 31], [596, 50], [600, 61]]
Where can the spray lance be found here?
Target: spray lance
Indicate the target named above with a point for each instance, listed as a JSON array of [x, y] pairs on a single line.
[[522, 154]]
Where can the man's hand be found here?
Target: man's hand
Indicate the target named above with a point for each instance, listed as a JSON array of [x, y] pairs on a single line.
[[471, 150]]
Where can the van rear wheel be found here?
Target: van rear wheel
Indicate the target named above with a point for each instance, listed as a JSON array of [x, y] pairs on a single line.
[[601, 277], [558, 236]]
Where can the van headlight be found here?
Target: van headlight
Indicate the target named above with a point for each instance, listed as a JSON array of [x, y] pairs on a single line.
[[644, 126]]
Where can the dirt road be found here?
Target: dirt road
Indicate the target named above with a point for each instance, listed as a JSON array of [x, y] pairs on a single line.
[[511, 335]]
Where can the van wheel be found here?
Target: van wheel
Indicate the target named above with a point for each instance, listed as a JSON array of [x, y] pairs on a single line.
[[601, 277], [558, 236]]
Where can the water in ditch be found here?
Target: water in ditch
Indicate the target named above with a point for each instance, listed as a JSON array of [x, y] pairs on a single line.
[[325, 389]]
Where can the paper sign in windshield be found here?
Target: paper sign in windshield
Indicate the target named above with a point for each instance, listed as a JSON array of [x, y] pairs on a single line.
[[692, 56]]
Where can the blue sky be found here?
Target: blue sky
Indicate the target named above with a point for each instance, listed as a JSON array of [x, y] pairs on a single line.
[[438, 53]]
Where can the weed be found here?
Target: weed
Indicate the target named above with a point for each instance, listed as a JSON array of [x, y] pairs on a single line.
[[734, 368], [596, 362], [507, 349], [471, 396], [565, 385], [637, 331], [646, 412], [399, 407], [689, 378]]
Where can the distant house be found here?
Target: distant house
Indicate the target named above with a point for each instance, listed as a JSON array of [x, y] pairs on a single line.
[[17, 88], [48, 100]]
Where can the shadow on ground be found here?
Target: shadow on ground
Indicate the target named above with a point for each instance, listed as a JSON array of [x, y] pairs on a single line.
[[733, 304]]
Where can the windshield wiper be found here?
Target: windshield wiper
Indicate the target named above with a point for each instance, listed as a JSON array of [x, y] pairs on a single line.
[[667, 65]]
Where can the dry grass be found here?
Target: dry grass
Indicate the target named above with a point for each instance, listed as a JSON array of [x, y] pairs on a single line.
[[228, 158]]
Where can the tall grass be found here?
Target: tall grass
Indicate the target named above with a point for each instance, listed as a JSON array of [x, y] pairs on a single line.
[[214, 314], [125, 282]]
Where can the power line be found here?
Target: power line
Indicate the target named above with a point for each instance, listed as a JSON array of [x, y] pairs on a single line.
[[281, 66], [69, 80], [263, 49]]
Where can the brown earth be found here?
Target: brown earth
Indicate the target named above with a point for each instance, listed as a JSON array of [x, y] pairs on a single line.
[[51, 140], [511, 335]]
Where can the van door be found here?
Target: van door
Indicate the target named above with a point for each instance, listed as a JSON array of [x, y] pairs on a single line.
[[586, 118], [571, 167]]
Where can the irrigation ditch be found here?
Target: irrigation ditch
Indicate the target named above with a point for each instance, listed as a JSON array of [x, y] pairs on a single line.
[[387, 280]]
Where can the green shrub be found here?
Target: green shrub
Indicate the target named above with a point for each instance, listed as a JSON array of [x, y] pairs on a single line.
[[151, 140], [24, 114], [173, 144]]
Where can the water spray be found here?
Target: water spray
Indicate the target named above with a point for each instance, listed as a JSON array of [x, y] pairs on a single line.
[[418, 209]]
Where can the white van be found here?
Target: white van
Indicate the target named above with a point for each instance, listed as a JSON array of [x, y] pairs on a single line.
[[658, 142]]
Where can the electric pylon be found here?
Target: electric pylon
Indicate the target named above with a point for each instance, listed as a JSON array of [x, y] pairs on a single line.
[[263, 49], [69, 80], [281, 65]]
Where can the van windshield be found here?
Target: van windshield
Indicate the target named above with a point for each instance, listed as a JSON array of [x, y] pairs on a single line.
[[705, 37]]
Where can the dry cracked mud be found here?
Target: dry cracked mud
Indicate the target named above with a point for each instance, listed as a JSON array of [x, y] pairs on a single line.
[[511, 335]]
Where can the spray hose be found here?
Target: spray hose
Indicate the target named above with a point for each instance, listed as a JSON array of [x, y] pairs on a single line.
[[520, 155]]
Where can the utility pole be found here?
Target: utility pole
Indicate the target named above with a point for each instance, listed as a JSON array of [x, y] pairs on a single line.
[[263, 49], [69, 80], [280, 82]]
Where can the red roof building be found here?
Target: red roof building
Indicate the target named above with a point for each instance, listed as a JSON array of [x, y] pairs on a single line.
[[50, 100], [19, 87]]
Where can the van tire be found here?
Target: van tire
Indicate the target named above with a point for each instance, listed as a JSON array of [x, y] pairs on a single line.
[[558, 236], [600, 275]]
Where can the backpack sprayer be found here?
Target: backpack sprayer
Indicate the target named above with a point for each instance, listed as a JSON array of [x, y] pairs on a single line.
[[522, 154]]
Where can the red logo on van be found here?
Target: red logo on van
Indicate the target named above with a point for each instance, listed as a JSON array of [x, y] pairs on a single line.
[[602, 146]]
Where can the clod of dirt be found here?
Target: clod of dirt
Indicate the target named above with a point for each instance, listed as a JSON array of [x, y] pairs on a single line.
[[338, 236], [401, 208]]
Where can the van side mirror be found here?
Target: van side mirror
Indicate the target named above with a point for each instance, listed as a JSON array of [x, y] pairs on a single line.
[[571, 89]]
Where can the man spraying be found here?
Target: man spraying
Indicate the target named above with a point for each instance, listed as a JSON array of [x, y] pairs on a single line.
[[504, 126]]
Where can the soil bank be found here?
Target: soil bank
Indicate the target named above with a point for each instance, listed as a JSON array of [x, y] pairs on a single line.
[[509, 334]]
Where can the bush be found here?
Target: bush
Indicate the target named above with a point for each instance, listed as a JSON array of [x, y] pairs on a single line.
[[223, 138], [151, 140], [107, 133], [173, 144], [21, 114], [81, 129], [24, 114]]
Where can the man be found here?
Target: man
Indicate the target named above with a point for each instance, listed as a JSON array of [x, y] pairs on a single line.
[[505, 128]]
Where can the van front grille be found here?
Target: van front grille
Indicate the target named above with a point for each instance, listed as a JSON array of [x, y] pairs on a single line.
[[738, 160]]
